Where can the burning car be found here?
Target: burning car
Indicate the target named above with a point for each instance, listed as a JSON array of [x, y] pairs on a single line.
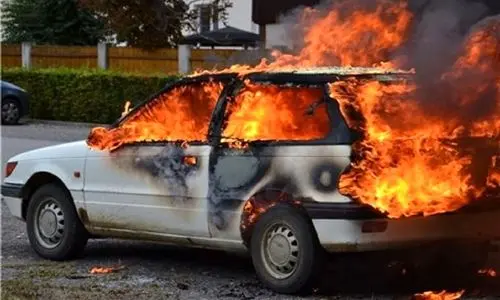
[[284, 165]]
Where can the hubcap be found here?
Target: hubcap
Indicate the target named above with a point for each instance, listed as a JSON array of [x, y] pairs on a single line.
[[49, 226], [10, 112], [280, 251]]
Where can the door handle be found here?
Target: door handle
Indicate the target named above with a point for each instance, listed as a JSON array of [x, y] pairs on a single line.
[[190, 160]]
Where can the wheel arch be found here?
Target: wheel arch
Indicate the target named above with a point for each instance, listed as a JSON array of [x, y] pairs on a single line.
[[36, 181], [260, 203]]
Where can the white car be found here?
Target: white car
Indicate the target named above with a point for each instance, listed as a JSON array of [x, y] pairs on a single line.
[[275, 198]]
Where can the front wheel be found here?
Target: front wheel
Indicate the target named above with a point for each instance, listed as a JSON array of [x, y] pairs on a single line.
[[285, 251], [54, 230], [11, 111]]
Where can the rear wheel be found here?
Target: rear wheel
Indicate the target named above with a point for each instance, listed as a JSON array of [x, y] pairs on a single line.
[[54, 230], [11, 111], [285, 251]]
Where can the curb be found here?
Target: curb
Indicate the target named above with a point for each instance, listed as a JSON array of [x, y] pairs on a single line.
[[63, 123]]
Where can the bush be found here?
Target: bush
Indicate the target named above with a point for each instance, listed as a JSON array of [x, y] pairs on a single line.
[[83, 95]]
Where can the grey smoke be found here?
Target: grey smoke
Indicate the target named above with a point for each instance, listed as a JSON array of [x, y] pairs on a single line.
[[435, 41], [439, 30]]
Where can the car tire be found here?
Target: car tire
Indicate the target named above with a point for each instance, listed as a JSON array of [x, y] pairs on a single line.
[[285, 251], [11, 111], [54, 229]]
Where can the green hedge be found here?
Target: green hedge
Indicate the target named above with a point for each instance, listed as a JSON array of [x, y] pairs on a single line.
[[83, 95]]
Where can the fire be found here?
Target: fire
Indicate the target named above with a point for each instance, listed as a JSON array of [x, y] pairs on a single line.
[[443, 295], [252, 210], [103, 270], [346, 36], [488, 272], [264, 112], [494, 173], [397, 151], [127, 108], [259, 204], [414, 160], [190, 160], [422, 141], [180, 115]]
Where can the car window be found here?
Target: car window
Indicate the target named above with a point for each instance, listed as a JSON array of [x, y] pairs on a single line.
[[268, 112], [182, 113]]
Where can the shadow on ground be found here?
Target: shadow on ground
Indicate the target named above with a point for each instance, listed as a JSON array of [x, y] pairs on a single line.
[[345, 275]]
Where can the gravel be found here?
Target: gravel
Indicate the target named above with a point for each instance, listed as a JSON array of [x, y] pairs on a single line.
[[156, 271]]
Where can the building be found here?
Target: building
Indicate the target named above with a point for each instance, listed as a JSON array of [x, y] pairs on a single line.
[[238, 16]]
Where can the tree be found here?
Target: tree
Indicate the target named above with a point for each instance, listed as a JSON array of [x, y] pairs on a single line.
[[60, 22], [151, 23]]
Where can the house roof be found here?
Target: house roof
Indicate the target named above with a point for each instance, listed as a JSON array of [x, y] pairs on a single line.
[[227, 36]]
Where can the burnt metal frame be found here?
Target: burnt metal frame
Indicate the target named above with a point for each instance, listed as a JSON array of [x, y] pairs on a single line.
[[223, 78], [233, 82], [219, 116]]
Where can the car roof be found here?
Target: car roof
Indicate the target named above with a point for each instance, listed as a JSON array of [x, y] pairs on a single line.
[[308, 75], [338, 71]]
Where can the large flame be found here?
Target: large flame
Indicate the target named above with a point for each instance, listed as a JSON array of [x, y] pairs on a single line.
[[181, 115], [263, 112], [347, 35], [422, 142], [412, 160]]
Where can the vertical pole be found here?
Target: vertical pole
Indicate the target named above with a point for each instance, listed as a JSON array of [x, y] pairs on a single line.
[[102, 56], [26, 55], [184, 58]]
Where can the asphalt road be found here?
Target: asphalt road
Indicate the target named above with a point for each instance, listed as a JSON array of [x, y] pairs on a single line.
[[152, 271]]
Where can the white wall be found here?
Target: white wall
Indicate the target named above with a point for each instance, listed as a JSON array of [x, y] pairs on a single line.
[[239, 16], [276, 36]]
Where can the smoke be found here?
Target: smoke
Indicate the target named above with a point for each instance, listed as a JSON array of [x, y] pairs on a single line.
[[437, 29], [438, 32], [434, 37], [454, 47]]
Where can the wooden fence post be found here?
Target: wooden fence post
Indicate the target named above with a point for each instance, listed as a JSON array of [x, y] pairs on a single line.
[[184, 58], [26, 55], [102, 56]]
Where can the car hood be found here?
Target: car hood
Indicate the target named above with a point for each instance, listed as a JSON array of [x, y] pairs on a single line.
[[76, 149], [9, 85]]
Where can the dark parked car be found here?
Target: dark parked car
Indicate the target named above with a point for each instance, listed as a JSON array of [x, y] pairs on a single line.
[[15, 103]]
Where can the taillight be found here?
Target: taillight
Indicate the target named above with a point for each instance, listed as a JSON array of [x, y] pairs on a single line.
[[9, 168]]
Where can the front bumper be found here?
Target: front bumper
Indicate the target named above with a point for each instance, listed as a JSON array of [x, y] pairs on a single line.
[[12, 196], [364, 230]]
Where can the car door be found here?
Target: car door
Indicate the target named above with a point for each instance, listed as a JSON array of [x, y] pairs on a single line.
[[277, 139], [156, 181]]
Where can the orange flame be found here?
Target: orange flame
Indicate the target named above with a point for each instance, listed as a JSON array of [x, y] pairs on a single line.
[[181, 115], [443, 295], [329, 39], [264, 112], [127, 108], [488, 272], [190, 160], [414, 162], [416, 156], [390, 175], [104, 270]]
